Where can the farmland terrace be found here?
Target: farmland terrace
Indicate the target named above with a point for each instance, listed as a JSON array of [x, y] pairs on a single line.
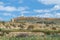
[[30, 25]]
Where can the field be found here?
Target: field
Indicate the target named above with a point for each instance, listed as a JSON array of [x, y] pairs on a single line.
[[32, 38], [30, 28]]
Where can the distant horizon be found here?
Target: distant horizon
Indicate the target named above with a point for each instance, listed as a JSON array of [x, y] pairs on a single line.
[[28, 16]]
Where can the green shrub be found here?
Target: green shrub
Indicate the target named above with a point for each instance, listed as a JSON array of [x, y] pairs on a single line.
[[30, 27]]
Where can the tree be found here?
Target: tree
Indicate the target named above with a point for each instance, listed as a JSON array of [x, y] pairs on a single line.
[[13, 25], [30, 27], [53, 28], [21, 26], [3, 22]]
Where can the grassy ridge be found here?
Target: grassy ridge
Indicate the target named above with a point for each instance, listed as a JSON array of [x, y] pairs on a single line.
[[31, 38], [18, 30]]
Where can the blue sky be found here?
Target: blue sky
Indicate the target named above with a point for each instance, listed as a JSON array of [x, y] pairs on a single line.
[[37, 8]]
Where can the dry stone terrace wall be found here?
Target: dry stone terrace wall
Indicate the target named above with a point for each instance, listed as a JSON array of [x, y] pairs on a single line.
[[11, 25], [24, 33]]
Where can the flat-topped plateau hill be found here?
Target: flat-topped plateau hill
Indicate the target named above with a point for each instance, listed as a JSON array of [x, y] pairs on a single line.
[[31, 23], [36, 20]]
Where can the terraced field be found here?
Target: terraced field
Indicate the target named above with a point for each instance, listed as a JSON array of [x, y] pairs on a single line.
[[31, 38], [30, 28]]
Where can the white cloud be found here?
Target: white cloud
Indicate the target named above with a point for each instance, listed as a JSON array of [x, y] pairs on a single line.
[[7, 8], [56, 7], [47, 2], [11, 8], [23, 8], [41, 11], [38, 11], [47, 15], [57, 15], [7, 14]]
